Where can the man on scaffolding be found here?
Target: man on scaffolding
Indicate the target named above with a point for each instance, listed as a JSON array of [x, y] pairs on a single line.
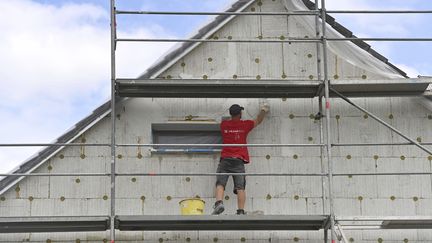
[[233, 159]]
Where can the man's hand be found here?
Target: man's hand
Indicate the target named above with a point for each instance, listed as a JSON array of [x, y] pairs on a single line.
[[265, 107]]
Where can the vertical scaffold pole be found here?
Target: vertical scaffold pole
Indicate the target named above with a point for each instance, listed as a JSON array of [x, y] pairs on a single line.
[[328, 128], [320, 110], [323, 179], [113, 123]]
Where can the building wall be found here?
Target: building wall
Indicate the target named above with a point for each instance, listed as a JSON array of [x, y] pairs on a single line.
[[290, 121]]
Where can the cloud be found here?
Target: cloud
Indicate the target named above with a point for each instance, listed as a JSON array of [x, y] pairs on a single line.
[[56, 69], [50, 48], [134, 57], [388, 25], [180, 5], [378, 25]]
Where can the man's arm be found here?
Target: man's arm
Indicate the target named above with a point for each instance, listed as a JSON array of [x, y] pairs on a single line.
[[263, 111]]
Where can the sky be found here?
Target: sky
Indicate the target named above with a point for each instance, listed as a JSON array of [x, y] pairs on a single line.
[[55, 55]]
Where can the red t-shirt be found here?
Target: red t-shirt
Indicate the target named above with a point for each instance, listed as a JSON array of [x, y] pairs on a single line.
[[235, 132]]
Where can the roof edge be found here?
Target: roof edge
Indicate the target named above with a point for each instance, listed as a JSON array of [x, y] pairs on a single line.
[[341, 29], [42, 156]]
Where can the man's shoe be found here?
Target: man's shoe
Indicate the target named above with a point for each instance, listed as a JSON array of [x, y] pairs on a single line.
[[241, 212], [218, 208]]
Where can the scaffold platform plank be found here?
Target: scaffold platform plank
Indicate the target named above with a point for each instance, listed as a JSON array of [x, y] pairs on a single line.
[[192, 88], [221, 222], [217, 88], [53, 224], [407, 224], [381, 88], [386, 222]]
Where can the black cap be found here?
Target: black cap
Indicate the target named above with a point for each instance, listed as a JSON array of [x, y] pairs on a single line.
[[235, 110]]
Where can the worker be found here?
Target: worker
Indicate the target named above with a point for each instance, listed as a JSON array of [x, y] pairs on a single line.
[[233, 159]]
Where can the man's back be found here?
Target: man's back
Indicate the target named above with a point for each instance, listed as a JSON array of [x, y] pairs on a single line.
[[235, 131]]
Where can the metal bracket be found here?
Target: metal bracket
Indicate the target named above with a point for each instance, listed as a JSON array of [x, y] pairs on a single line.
[[318, 116], [341, 235], [320, 90]]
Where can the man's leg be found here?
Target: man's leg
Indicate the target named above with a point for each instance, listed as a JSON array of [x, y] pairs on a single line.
[[219, 207], [240, 186], [219, 192], [241, 199], [221, 181]]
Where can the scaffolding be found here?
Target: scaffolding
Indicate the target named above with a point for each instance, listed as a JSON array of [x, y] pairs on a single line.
[[323, 88]]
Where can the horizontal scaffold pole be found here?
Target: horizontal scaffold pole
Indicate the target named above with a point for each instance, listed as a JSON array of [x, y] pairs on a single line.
[[258, 40], [220, 145], [379, 11], [311, 12], [165, 174], [204, 145], [53, 144], [160, 145], [374, 144], [272, 40], [215, 174], [378, 39], [219, 13]]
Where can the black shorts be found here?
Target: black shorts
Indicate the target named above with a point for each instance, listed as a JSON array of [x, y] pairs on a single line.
[[231, 165]]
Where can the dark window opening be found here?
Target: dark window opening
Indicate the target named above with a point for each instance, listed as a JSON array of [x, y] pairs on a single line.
[[186, 133]]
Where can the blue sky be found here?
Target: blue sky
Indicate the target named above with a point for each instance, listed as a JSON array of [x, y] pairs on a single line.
[[55, 55], [361, 25]]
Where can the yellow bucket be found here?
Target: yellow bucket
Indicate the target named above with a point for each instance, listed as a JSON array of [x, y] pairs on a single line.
[[192, 206]]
